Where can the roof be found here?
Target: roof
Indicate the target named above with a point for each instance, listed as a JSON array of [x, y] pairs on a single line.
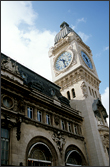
[[65, 30], [35, 81]]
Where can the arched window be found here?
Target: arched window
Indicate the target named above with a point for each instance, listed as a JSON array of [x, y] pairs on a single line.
[[73, 158], [90, 91], [73, 93], [68, 95], [107, 150], [95, 94], [39, 155]]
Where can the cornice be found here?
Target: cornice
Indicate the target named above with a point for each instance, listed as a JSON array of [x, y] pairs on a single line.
[[77, 75], [84, 45], [103, 128]]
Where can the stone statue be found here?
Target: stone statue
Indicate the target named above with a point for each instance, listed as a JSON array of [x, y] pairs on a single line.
[[60, 141]]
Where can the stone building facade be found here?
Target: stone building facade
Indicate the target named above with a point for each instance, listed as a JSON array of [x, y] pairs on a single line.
[[53, 124]]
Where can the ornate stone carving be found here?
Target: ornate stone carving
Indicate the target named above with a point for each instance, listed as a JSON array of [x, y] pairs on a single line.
[[84, 89], [15, 108], [7, 64], [18, 123], [56, 119], [21, 106], [105, 141], [59, 139]]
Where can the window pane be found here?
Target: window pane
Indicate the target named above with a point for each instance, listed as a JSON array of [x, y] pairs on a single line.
[[7, 134], [68, 95], [2, 155], [73, 92], [6, 145], [6, 155], [2, 144], [39, 116], [30, 114]]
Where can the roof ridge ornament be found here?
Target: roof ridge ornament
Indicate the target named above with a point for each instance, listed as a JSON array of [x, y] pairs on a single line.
[[64, 24]]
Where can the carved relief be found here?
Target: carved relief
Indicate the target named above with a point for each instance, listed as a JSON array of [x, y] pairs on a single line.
[[59, 139], [15, 108], [21, 106], [105, 141], [7, 64], [84, 89], [56, 119]]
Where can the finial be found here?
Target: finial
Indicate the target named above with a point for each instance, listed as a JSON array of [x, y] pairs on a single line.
[[64, 24]]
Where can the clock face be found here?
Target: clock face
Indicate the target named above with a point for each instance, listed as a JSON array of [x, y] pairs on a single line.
[[86, 60], [63, 61]]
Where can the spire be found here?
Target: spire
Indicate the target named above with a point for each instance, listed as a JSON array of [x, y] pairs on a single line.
[[65, 30]]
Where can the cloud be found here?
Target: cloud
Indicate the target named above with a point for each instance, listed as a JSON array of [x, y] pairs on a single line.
[[81, 20], [77, 22], [106, 48], [73, 27], [21, 40], [84, 36], [105, 100]]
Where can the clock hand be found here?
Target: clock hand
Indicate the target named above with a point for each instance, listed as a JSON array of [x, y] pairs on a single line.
[[63, 61]]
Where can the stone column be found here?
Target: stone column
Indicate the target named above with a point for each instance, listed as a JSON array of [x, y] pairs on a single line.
[[44, 116], [35, 113], [25, 113]]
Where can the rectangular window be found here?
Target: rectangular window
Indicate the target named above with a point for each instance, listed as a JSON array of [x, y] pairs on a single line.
[[39, 116], [48, 119], [69, 126], [75, 129], [63, 124], [30, 112], [4, 146]]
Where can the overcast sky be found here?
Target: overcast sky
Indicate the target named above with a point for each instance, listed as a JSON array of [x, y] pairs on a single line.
[[28, 29]]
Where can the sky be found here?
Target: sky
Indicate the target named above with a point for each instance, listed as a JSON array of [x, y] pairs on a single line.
[[28, 29]]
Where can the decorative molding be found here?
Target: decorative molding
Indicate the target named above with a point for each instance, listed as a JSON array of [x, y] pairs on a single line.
[[8, 65], [56, 120], [78, 75]]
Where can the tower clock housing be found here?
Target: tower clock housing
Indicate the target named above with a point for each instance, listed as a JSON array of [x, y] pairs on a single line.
[[73, 69]]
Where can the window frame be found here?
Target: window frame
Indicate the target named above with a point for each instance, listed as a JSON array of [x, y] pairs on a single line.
[[39, 115], [73, 93], [75, 129], [5, 151], [68, 95], [30, 111], [48, 119], [63, 124], [69, 127]]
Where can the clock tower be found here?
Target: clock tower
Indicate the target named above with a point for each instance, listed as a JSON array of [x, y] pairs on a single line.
[[73, 69]]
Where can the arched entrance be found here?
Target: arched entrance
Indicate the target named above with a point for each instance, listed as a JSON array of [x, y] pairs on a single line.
[[39, 155], [74, 157], [41, 152]]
